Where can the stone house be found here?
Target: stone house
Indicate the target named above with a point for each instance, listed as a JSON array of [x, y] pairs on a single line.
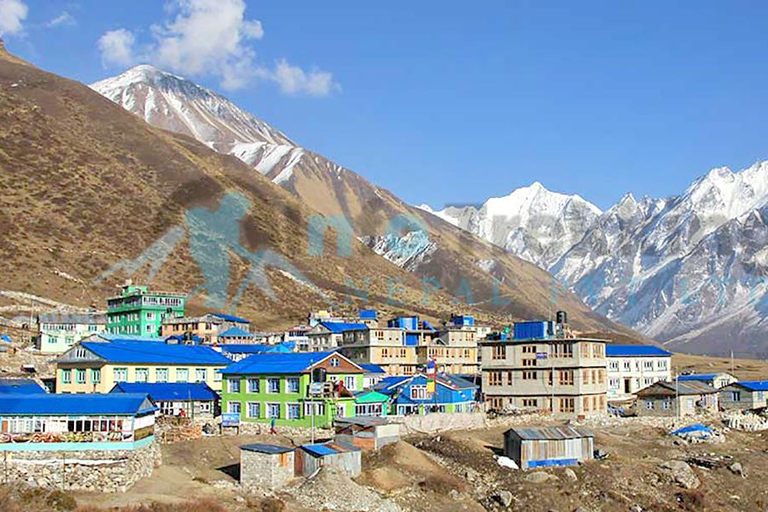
[[671, 399], [266, 466], [716, 380], [744, 395]]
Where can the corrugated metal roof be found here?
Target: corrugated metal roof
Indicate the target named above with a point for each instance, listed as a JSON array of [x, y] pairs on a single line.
[[235, 332], [282, 363], [21, 386], [550, 433], [129, 337], [372, 368], [338, 327], [85, 404], [266, 448], [155, 353], [613, 350], [230, 318], [700, 376], [168, 391], [752, 385], [679, 388], [253, 348], [318, 450], [72, 318]]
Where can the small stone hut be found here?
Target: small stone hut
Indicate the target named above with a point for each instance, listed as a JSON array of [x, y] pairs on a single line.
[[266, 465]]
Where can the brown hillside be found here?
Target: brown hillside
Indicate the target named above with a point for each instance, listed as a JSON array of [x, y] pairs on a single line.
[[85, 184]]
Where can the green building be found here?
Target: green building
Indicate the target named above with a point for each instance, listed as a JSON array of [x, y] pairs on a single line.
[[279, 387], [141, 312]]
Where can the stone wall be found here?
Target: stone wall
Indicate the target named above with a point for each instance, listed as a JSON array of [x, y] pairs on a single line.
[[440, 422], [265, 470], [89, 470], [253, 428]]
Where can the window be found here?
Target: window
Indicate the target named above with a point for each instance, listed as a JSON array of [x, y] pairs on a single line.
[[530, 402], [563, 350], [647, 365], [499, 352], [233, 407], [150, 315], [233, 385], [529, 375], [142, 375], [273, 411], [253, 385], [614, 366], [529, 349], [350, 382], [80, 375], [587, 380], [120, 374], [661, 364], [649, 405], [201, 374], [494, 378], [205, 406], [529, 362], [95, 375], [161, 375], [254, 410], [335, 362], [735, 396], [292, 411], [66, 376], [367, 409], [292, 385], [182, 374], [216, 375], [627, 366], [666, 404], [567, 405], [273, 385], [585, 404], [565, 377], [419, 392], [598, 350], [319, 408]]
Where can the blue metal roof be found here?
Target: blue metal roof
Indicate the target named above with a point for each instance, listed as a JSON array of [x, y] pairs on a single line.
[[253, 348], [372, 368], [613, 350], [230, 318], [271, 449], [338, 327], [389, 383], [155, 353], [84, 404], [168, 391], [21, 386], [698, 376], [319, 450], [183, 337], [278, 363], [129, 337], [235, 332], [6, 338], [754, 385]]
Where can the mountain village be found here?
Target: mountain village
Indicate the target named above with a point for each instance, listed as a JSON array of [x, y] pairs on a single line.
[[142, 374], [177, 334]]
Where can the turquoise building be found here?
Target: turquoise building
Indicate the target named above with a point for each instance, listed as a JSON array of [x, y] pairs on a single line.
[[142, 312]]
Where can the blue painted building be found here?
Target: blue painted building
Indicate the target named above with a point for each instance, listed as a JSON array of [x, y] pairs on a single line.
[[409, 395], [79, 422]]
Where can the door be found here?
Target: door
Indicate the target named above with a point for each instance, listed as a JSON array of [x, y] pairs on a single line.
[[627, 386]]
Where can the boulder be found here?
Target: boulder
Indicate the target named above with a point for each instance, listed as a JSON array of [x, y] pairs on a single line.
[[504, 498], [539, 477], [737, 469], [681, 473], [570, 475]]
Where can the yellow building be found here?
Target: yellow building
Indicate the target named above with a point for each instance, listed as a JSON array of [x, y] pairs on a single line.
[[96, 366]]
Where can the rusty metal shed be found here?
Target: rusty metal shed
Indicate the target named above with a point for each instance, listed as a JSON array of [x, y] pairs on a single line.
[[334, 454], [536, 447]]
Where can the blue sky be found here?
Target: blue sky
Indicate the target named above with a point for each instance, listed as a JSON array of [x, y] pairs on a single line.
[[451, 102]]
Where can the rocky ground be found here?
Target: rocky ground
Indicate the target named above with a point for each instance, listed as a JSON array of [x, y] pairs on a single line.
[[646, 469]]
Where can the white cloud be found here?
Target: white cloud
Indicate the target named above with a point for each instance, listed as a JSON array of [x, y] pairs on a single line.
[[12, 14], [211, 38], [62, 19], [294, 80], [116, 47]]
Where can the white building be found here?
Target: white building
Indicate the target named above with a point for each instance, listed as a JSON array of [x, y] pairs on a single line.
[[59, 332], [634, 367]]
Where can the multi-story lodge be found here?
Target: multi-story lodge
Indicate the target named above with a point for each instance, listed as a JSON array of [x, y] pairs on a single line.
[[59, 331], [326, 336], [207, 327], [142, 312], [383, 346], [548, 370], [96, 366], [634, 367], [279, 388]]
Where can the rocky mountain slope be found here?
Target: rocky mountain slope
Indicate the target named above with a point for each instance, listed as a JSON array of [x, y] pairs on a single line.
[[441, 255], [92, 194], [688, 270]]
